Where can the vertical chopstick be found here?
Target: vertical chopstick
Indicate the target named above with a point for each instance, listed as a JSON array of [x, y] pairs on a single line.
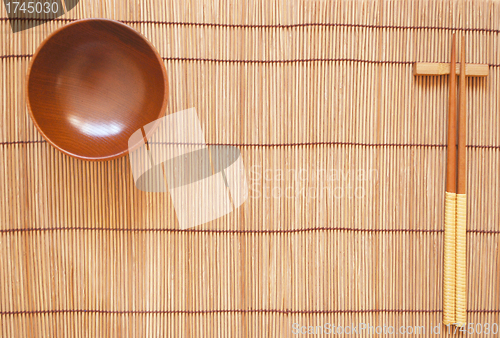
[[455, 215], [450, 197], [461, 258]]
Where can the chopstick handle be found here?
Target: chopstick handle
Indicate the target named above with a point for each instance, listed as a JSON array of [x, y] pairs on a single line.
[[449, 273], [461, 261]]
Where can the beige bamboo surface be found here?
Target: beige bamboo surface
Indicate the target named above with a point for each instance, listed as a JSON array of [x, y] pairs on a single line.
[[297, 85]]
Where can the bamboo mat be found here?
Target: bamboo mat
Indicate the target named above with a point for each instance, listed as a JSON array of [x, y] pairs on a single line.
[[302, 86]]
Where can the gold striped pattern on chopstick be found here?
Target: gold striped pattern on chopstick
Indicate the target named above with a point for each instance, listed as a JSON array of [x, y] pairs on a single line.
[[461, 261], [449, 257], [323, 86]]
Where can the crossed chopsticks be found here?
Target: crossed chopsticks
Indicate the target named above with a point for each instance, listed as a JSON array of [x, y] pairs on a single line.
[[455, 219]]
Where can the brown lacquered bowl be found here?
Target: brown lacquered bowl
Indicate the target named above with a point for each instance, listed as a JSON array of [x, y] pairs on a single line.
[[92, 84]]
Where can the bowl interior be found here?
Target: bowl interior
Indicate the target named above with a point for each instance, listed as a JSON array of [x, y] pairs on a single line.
[[92, 84]]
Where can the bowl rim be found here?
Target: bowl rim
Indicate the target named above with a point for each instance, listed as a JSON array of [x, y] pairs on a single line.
[[153, 124]]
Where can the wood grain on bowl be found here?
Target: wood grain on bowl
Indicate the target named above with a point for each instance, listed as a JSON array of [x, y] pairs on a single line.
[[92, 84]]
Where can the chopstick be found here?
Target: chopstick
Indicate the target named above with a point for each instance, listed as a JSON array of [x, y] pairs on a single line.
[[449, 274], [461, 258], [455, 213]]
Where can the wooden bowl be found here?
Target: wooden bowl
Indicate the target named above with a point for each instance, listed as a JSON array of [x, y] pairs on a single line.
[[92, 84]]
